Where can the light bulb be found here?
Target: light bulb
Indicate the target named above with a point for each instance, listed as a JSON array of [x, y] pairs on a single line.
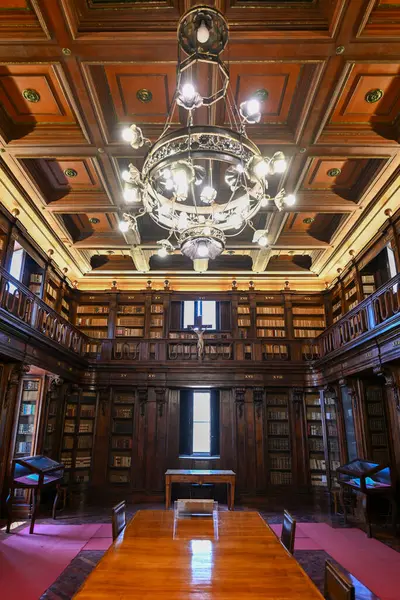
[[261, 168], [126, 176], [202, 250], [188, 91], [253, 106], [208, 194], [235, 221], [169, 184], [263, 241], [203, 34], [131, 195], [182, 221], [128, 135], [219, 216], [240, 168], [162, 252], [280, 165], [264, 201], [207, 231], [290, 200], [123, 226], [180, 177], [166, 174]]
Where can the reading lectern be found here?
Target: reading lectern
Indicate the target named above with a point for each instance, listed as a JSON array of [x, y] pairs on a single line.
[[34, 473], [369, 481]]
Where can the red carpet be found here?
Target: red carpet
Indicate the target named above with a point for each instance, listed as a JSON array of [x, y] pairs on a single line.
[[29, 564], [370, 561]]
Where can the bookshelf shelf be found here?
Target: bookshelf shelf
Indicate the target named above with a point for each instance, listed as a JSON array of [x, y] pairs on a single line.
[[308, 320], [156, 325], [92, 319], [130, 320], [244, 317], [376, 423]]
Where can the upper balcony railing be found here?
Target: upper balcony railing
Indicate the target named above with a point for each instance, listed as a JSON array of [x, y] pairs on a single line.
[[18, 301], [378, 309]]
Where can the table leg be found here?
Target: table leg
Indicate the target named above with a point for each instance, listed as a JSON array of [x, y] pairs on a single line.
[[36, 502], [54, 514], [167, 493], [9, 509], [232, 499]]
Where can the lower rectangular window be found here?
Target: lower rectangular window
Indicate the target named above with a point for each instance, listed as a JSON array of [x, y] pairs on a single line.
[[199, 423]]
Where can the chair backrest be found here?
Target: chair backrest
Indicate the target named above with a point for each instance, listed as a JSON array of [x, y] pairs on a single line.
[[337, 586], [288, 531], [118, 515]]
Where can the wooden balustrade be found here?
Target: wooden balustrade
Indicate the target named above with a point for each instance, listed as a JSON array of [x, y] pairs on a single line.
[[377, 309], [18, 301]]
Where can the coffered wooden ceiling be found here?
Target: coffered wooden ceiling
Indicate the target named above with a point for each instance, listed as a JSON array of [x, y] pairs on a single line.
[[71, 72]]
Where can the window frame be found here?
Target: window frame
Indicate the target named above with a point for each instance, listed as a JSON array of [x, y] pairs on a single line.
[[197, 312], [186, 403]]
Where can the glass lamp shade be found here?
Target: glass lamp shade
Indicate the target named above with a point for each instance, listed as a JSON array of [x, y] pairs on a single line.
[[202, 248]]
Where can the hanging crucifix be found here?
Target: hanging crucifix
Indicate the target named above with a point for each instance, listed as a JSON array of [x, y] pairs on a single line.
[[199, 329]]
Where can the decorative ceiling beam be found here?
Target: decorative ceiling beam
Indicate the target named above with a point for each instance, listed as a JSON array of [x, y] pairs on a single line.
[[291, 241], [140, 259], [76, 206]]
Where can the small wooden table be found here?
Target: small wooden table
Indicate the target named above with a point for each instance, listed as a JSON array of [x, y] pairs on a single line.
[[243, 559], [200, 477]]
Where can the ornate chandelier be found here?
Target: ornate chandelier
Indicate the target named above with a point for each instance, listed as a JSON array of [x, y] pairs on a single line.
[[202, 183]]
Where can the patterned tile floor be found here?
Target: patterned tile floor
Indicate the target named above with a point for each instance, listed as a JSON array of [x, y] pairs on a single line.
[[312, 561]]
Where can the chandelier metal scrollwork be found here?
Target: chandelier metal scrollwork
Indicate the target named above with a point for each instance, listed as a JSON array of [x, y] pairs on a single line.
[[202, 183]]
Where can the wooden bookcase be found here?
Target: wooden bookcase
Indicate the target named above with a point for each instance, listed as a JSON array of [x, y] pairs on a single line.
[[28, 416], [244, 317], [270, 320], [332, 444], [368, 285], [308, 319], [315, 440], [278, 438], [351, 298], [78, 435], [92, 318], [376, 423], [156, 324], [122, 423], [130, 319], [65, 308], [52, 291], [337, 305]]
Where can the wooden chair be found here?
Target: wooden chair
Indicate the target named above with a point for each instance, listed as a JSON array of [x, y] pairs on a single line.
[[288, 531], [118, 516], [337, 586]]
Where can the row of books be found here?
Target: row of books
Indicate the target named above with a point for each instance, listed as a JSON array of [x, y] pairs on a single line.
[[93, 310], [314, 429], [350, 293], [31, 385], [313, 401], [87, 410], [313, 415], [124, 398], [157, 309], [35, 278], [281, 415], [270, 310], [270, 322], [279, 443], [337, 306], [29, 395], [91, 322], [353, 304], [121, 443], [85, 442], [129, 332], [275, 349], [83, 461], [95, 333], [308, 323], [51, 291], [318, 480], [316, 463], [118, 477], [156, 335], [374, 409], [24, 447], [280, 462], [367, 279], [277, 400], [244, 322], [156, 322], [283, 478], [28, 409], [131, 309], [316, 445], [304, 333], [308, 310], [123, 413], [278, 428], [71, 410], [85, 427], [120, 461], [376, 424], [243, 310], [128, 321], [271, 333]]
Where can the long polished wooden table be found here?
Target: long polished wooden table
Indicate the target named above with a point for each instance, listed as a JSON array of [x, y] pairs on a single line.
[[234, 557], [200, 477]]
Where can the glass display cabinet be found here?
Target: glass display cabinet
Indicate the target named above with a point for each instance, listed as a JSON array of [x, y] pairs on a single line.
[[367, 483], [34, 473]]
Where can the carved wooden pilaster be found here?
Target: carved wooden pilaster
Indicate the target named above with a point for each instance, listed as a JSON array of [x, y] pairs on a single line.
[[18, 371], [142, 396], [390, 384], [104, 398], [258, 399], [160, 400], [239, 399], [297, 400]]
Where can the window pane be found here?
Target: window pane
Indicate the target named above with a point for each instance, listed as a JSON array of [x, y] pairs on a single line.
[[201, 437], [16, 263], [208, 312], [201, 406], [188, 313]]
